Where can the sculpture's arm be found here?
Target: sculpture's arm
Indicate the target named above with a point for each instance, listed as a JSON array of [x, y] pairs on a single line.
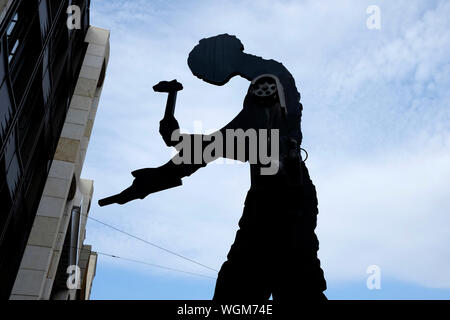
[[191, 157]]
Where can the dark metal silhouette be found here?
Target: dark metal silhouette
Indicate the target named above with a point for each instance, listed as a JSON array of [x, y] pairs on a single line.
[[275, 250], [171, 87], [136, 190], [169, 121]]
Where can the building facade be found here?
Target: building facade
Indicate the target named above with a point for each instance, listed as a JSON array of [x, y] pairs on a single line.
[[52, 67]]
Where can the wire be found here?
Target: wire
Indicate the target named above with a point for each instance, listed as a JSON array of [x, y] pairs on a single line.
[[145, 263], [156, 265], [152, 244]]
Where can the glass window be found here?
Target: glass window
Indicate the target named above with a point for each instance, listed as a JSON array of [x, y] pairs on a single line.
[[59, 108], [46, 58], [24, 48], [13, 175], [60, 42], [44, 18], [36, 172], [12, 162], [13, 40], [5, 197], [12, 24], [13, 50], [6, 110], [46, 86], [30, 122], [2, 63], [10, 149]]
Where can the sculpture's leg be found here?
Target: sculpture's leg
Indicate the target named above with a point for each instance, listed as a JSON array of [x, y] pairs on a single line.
[[300, 277], [275, 250], [245, 276]]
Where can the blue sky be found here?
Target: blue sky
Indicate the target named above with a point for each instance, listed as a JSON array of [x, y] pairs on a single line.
[[376, 124]]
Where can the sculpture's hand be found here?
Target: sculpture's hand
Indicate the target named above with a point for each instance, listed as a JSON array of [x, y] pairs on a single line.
[[146, 181], [166, 127], [125, 196]]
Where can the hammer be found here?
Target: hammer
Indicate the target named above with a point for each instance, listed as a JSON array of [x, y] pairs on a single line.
[[133, 192], [171, 87]]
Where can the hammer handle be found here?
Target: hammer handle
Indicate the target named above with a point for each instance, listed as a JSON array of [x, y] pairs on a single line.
[[170, 105]]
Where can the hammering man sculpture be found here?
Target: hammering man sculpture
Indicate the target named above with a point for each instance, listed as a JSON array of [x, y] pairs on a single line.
[[275, 249]]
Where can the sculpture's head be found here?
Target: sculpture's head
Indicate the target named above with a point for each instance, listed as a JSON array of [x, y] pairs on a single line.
[[214, 59]]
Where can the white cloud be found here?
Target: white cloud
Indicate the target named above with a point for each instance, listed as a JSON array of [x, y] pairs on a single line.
[[376, 125], [390, 210]]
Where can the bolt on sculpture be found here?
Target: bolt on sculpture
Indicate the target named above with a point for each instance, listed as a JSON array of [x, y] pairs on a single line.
[[275, 250]]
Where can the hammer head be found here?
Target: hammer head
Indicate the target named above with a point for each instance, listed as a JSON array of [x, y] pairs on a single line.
[[168, 86]]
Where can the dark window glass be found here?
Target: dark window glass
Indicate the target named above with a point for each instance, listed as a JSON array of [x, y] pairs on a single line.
[[14, 34], [2, 63], [60, 45], [46, 58], [59, 108], [12, 24], [54, 7], [77, 54], [13, 40], [85, 20], [5, 197], [12, 163], [37, 172], [13, 175], [12, 52], [31, 121], [44, 18], [46, 86], [6, 109], [24, 47]]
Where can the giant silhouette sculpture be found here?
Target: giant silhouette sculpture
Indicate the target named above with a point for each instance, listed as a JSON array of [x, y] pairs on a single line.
[[275, 249]]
